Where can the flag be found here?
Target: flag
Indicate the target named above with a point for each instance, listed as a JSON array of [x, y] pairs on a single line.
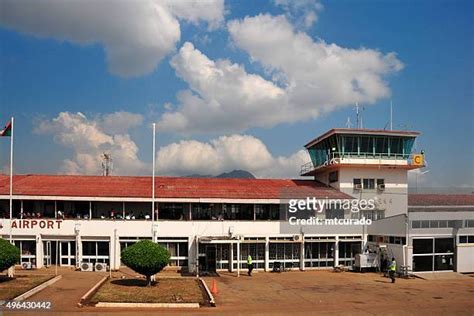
[[7, 131]]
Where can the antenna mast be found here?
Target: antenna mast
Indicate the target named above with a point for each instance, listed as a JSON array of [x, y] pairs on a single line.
[[357, 115], [359, 110], [107, 164]]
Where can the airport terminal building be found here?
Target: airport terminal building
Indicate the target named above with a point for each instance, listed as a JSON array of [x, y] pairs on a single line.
[[210, 224]]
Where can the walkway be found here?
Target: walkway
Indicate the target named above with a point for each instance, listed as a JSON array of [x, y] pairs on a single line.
[[66, 293]]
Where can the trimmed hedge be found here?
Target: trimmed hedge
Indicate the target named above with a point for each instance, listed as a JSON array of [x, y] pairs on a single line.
[[145, 257], [9, 254]]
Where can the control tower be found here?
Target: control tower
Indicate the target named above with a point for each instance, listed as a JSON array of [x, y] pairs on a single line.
[[367, 164]]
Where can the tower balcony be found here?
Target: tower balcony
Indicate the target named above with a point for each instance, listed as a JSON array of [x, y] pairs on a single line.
[[339, 159]]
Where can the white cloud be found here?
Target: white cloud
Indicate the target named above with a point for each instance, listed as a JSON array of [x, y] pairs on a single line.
[[223, 96], [227, 153], [90, 138], [303, 13], [136, 35], [308, 78], [211, 11], [120, 122], [319, 76]]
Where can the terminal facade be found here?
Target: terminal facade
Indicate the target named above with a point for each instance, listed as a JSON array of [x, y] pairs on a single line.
[[212, 224]]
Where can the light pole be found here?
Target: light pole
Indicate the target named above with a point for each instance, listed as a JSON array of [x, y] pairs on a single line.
[[417, 174]]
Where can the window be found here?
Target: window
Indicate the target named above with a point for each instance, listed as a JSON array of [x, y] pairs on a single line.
[[350, 144], [370, 214], [396, 146], [367, 145], [433, 254], [288, 254], [422, 246], [422, 263], [443, 262], [357, 183], [178, 249], [466, 239], [380, 184], [95, 251], [348, 251], [444, 245], [334, 213], [172, 211], [470, 223], [443, 224], [369, 184], [381, 145], [222, 256], [435, 223], [267, 211], [27, 250], [333, 176], [319, 254]]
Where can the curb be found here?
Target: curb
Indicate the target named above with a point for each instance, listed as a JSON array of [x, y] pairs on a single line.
[[148, 305], [212, 301], [37, 289], [91, 291]]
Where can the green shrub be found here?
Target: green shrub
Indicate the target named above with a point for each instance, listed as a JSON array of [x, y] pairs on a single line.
[[9, 254], [145, 257]]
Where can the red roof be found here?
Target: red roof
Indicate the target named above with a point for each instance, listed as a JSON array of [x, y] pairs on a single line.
[[440, 199], [166, 187]]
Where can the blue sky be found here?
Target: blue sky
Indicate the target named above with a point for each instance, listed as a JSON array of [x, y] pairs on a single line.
[[45, 71]]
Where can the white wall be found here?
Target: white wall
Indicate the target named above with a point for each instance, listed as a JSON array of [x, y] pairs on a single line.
[[394, 199], [106, 230], [465, 258], [390, 226]]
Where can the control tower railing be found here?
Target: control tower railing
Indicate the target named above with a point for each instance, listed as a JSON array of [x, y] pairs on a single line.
[[338, 157]]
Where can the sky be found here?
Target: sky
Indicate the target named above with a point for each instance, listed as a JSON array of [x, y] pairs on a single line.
[[232, 84]]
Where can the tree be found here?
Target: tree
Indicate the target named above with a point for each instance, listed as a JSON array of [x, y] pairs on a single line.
[[145, 257], [9, 254]]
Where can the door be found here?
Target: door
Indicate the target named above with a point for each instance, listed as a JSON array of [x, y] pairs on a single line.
[[47, 253], [67, 251], [433, 254], [211, 258]]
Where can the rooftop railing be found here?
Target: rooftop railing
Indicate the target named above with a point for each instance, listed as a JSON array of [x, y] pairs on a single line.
[[337, 157]]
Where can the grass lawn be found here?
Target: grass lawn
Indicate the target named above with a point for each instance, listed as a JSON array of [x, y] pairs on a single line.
[[167, 290], [11, 288]]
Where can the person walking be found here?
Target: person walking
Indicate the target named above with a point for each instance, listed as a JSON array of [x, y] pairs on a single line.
[[392, 269], [249, 265]]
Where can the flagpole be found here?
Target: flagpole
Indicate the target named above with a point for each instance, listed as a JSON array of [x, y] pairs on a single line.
[[153, 184], [11, 178]]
